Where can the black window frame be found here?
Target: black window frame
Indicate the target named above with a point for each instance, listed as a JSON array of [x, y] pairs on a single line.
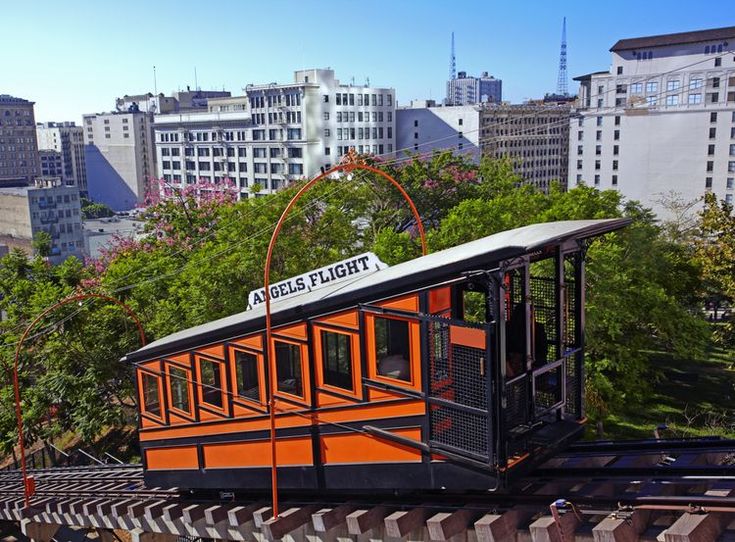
[[240, 389], [178, 380], [280, 363], [390, 352], [215, 389], [333, 376], [145, 378]]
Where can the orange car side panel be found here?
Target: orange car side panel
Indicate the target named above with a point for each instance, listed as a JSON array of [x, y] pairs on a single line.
[[253, 341], [440, 300], [467, 336], [356, 448], [408, 303], [256, 453], [179, 457], [346, 319]]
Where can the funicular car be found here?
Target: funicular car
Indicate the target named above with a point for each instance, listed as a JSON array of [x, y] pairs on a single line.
[[456, 370]]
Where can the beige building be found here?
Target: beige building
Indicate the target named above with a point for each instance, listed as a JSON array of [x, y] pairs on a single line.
[[48, 206], [66, 139], [534, 136], [659, 125], [119, 157], [19, 162]]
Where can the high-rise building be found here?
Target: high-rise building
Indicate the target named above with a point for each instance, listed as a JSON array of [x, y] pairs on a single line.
[[660, 124], [425, 126], [534, 136], [468, 90], [49, 205], [67, 140], [275, 133], [19, 162], [119, 156]]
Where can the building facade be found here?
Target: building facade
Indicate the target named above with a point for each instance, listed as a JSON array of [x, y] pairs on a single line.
[[275, 133], [67, 140], [468, 90], [19, 161], [534, 137], [119, 156], [660, 124], [425, 126], [49, 205]]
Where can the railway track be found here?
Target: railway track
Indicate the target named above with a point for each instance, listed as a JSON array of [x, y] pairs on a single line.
[[672, 490]]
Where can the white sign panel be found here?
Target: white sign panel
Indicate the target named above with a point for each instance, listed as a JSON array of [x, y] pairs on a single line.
[[327, 275]]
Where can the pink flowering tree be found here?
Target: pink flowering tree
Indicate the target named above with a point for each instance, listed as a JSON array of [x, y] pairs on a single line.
[[181, 214]]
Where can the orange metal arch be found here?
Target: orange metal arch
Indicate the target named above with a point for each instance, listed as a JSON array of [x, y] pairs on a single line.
[[28, 484], [347, 167]]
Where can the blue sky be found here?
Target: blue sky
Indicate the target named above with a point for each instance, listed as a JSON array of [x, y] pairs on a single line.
[[75, 57]]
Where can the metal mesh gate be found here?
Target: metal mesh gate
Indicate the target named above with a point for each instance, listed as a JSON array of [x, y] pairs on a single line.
[[458, 393]]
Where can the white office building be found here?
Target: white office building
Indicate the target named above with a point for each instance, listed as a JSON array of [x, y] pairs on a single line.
[[661, 121], [66, 140], [425, 126], [467, 90], [275, 133]]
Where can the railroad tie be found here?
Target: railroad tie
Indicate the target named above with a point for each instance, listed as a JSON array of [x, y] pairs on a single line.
[[287, 522], [361, 521]]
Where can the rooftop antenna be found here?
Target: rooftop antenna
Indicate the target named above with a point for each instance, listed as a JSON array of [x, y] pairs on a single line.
[[452, 62], [561, 84], [196, 83], [155, 87]]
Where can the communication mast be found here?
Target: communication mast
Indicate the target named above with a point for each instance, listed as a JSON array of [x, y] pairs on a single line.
[[561, 84], [452, 63]]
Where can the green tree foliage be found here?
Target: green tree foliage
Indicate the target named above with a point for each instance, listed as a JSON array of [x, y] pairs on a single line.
[[42, 244], [715, 253], [91, 209], [203, 255]]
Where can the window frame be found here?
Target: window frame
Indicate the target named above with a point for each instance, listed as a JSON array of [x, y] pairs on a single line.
[[305, 377], [262, 402], [201, 403], [355, 359], [414, 348], [148, 372], [188, 414]]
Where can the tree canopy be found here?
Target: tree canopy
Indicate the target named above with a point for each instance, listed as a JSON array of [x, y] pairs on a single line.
[[204, 253]]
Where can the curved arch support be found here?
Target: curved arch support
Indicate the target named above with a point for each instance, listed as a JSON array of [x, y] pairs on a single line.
[[350, 165], [28, 484]]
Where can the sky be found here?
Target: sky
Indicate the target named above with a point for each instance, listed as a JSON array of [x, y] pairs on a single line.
[[77, 56]]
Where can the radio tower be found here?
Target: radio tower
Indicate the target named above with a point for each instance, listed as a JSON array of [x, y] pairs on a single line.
[[452, 63], [561, 84]]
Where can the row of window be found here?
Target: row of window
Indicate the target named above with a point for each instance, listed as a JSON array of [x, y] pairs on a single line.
[[349, 116], [335, 353], [344, 98], [360, 133], [361, 149]]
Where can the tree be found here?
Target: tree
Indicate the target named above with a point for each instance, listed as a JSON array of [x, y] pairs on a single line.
[[715, 253], [42, 244], [91, 209]]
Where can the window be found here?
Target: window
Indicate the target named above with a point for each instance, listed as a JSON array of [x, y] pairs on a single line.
[[179, 383], [151, 395], [710, 150], [598, 135], [708, 182], [713, 116], [695, 83], [580, 135], [392, 348], [713, 97], [615, 165], [718, 61], [672, 100], [652, 86], [288, 368], [211, 382], [673, 84], [326, 98], [728, 199], [337, 360], [598, 150], [712, 133], [616, 150], [246, 375], [597, 165], [597, 180], [710, 166], [651, 100], [620, 70], [730, 183], [580, 150], [694, 99], [599, 121], [731, 167], [715, 82], [617, 120], [616, 135], [636, 88], [615, 180]]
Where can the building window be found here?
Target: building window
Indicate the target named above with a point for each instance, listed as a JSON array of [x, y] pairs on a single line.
[[673, 84], [615, 180], [616, 135], [713, 116], [598, 150], [598, 135], [730, 183], [728, 199], [617, 120], [151, 394], [695, 83], [597, 165], [651, 101], [620, 70], [211, 382], [246, 375], [694, 99], [710, 150], [708, 182], [597, 180], [616, 150], [710, 166], [580, 150], [337, 360], [715, 82], [392, 348], [288, 367], [713, 97], [712, 133], [652, 86], [718, 61], [636, 88], [672, 100], [615, 165], [580, 135], [599, 121], [731, 167], [579, 164]]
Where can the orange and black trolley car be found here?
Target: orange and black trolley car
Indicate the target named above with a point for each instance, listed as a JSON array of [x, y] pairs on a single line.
[[454, 370]]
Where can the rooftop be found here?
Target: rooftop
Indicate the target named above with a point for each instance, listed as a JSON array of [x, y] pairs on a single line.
[[680, 38], [8, 99]]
